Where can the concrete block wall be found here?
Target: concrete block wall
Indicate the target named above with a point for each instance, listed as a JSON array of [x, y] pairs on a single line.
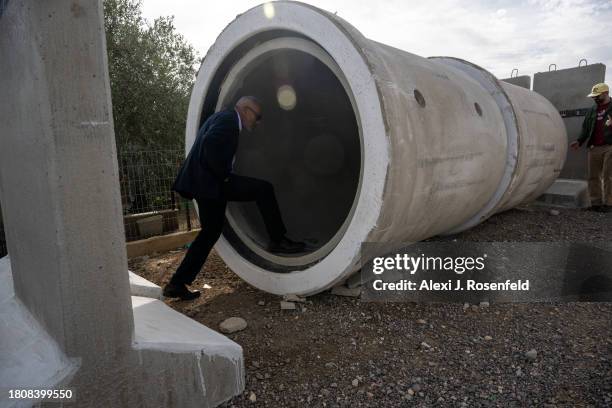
[[524, 81], [567, 90]]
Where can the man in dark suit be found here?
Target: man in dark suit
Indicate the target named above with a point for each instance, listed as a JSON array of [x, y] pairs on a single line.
[[206, 176]]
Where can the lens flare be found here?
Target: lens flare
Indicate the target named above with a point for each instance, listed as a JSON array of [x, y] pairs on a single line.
[[268, 10], [286, 97]]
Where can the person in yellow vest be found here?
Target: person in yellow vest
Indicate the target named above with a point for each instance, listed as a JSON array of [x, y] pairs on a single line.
[[597, 134]]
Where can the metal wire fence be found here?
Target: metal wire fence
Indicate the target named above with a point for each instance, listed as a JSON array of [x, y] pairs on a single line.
[[150, 207]]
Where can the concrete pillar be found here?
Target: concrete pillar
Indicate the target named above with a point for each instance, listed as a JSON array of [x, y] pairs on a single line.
[[60, 197], [59, 178]]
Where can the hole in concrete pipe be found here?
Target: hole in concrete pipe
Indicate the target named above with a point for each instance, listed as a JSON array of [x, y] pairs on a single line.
[[478, 108], [419, 98], [308, 147]]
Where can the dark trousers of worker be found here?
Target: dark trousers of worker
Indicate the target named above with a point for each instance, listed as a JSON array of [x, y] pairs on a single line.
[[212, 219]]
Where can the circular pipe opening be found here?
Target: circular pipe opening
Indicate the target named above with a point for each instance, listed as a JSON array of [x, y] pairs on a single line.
[[308, 146], [334, 44]]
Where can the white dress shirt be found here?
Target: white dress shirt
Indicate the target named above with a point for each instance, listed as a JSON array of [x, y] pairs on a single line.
[[239, 130], [239, 121]]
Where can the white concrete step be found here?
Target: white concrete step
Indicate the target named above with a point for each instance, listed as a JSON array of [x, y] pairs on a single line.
[[139, 286], [217, 360]]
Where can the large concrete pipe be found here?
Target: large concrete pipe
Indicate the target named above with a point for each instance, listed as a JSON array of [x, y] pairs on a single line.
[[364, 142]]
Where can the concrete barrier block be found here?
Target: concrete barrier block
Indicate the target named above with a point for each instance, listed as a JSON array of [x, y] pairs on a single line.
[[524, 81], [29, 357], [217, 360], [139, 286], [566, 193]]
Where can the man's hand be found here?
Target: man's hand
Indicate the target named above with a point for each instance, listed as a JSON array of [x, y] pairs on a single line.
[[609, 121], [574, 145]]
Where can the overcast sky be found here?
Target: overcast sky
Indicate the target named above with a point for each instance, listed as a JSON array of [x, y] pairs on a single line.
[[498, 35]]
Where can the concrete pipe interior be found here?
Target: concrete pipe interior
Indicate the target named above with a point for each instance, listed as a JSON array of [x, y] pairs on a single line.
[[307, 145]]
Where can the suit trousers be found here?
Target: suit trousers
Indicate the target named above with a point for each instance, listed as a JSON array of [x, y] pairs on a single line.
[[212, 220], [600, 175]]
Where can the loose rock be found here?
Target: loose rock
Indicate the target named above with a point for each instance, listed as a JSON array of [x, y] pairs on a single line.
[[344, 291], [287, 305], [232, 325], [531, 355], [294, 298]]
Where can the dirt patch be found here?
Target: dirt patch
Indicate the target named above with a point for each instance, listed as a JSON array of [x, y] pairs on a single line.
[[339, 352]]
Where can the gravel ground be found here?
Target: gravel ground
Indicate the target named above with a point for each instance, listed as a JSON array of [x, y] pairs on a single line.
[[338, 352]]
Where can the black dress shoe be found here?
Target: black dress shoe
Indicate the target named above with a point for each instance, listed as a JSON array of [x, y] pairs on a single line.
[[286, 246], [179, 290]]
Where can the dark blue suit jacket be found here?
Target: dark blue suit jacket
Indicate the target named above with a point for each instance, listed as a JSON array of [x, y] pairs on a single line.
[[209, 161]]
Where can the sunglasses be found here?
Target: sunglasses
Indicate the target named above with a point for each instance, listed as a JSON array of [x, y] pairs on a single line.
[[258, 116]]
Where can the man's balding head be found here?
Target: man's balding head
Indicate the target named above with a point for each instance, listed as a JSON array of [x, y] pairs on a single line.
[[248, 101], [249, 109]]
